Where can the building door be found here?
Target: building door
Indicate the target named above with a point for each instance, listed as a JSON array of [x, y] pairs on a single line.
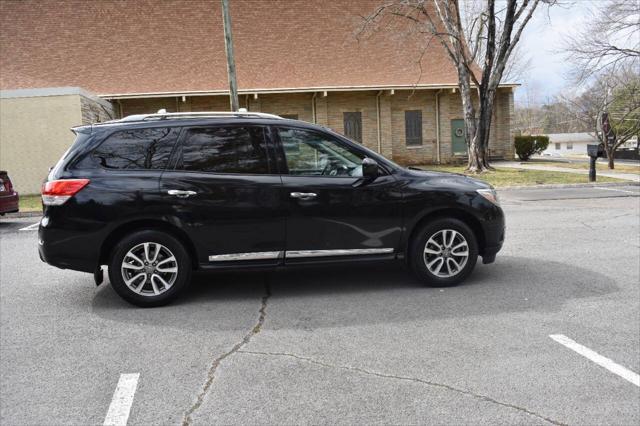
[[458, 142]]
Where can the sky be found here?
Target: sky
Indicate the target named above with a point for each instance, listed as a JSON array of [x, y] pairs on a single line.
[[542, 41]]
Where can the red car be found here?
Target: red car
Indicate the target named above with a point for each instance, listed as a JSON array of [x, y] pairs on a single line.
[[8, 197]]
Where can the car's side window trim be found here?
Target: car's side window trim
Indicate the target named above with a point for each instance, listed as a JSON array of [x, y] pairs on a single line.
[[176, 163], [176, 154], [277, 156]]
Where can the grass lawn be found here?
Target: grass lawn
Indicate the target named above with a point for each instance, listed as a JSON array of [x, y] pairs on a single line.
[[600, 167], [30, 203], [518, 177]]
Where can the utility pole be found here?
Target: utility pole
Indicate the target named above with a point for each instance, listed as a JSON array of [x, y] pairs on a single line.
[[231, 61]]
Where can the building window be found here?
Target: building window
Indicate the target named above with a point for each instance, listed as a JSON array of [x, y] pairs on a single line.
[[413, 127], [569, 145], [353, 125], [289, 116], [558, 146]]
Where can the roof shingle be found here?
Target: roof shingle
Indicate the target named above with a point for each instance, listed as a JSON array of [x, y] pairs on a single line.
[[146, 46]]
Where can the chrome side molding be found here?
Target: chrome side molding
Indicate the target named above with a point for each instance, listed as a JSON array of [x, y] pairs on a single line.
[[267, 255], [341, 252], [260, 255]]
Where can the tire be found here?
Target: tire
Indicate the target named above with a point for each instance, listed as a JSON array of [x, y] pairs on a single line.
[[163, 282], [426, 243]]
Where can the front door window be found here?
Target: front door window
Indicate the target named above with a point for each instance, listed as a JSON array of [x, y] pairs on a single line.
[[312, 154]]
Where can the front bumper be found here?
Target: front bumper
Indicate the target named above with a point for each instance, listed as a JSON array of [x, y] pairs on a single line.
[[494, 234]]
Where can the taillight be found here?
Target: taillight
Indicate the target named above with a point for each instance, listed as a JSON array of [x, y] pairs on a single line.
[[5, 185], [57, 192]]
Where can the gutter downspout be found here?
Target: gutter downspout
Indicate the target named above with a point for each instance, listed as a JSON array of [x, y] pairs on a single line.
[[313, 108], [378, 122], [438, 126]]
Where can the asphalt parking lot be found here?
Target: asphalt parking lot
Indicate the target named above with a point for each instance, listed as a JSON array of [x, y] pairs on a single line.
[[365, 344]]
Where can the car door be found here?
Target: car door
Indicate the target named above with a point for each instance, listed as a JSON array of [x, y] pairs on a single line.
[[225, 193], [332, 211]]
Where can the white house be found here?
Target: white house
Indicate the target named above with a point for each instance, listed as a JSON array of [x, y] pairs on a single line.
[[564, 144]]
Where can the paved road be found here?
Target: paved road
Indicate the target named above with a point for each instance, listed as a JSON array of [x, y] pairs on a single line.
[[357, 345]]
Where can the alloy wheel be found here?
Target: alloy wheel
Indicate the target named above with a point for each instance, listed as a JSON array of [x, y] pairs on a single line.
[[149, 269], [446, 253]]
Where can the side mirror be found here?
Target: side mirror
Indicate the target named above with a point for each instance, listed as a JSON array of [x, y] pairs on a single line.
[[369, 168]]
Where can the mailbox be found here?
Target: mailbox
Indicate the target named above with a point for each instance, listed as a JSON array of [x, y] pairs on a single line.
[[595, 151]]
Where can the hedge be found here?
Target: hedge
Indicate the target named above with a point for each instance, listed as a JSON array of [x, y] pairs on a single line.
[[526, 146]]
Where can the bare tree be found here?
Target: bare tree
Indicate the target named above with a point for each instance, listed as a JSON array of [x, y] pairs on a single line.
[[613, 99], [480, 52], [610, 39]]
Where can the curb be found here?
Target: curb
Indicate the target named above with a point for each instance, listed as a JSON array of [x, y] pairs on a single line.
[[21, 214], [567, 185]]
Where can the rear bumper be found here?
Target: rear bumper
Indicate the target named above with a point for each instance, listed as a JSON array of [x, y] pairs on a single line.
[[68, 248], [9, 203]]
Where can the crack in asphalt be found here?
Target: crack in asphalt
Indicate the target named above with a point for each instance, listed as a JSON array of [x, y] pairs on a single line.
[[587, 226], [236, 348], [405, 378]]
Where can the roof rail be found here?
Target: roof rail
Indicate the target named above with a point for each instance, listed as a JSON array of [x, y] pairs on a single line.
[[162, 115]]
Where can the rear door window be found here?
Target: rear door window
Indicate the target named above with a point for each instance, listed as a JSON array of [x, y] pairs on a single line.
[[231, 150], [137, 149]]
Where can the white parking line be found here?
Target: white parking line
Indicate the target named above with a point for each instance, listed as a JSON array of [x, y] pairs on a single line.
[[615, 189], [33, 227], [597, 358], [122, 399]]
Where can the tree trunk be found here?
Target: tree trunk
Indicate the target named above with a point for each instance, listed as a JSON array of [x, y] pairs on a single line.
[[473, 133], [610, 155], [475, 164], [479, 148]]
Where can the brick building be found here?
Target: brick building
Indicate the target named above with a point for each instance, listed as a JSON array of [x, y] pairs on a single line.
[[298, 58]]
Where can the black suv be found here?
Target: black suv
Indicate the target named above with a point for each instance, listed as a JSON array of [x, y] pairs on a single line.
[[156, 196]]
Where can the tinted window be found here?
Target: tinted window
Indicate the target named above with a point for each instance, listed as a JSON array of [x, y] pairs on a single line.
[[313, 154], [225, 150], [134, 149], [413, 127]]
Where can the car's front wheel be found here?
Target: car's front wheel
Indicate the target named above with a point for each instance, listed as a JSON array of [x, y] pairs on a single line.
[[443, 252], [149, 268]]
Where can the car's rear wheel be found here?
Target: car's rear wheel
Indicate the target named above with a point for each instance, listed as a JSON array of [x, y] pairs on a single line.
[[149, 268], [443, 252]]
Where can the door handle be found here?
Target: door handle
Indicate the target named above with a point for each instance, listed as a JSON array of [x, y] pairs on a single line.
[[181, 194], [303, 195]]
